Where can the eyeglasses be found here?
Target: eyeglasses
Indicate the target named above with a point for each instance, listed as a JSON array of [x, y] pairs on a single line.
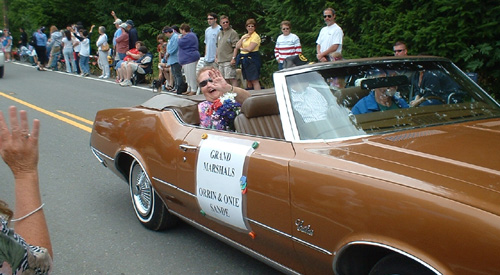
[[225, 22], [250, 26], [210, 18], [285, 29], [327, 15], [398, 51], [205, 82]]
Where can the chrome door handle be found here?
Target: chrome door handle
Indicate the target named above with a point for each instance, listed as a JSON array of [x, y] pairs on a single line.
[[185, 147]]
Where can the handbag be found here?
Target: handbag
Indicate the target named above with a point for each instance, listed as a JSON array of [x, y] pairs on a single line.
[[105, 47]]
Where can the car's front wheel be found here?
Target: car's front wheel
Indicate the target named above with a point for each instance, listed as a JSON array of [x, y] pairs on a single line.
[[149, 208]]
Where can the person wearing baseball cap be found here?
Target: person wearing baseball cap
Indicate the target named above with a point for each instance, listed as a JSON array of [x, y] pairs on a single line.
[[132, 33]]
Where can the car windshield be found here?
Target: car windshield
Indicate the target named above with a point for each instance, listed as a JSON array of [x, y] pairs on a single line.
[[353, 99]]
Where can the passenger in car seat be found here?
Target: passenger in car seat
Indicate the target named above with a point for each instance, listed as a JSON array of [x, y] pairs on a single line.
[[306, 100], [213, 86], [379, 99]]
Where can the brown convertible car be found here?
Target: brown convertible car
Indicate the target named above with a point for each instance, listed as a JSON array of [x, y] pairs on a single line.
[[369, 166]]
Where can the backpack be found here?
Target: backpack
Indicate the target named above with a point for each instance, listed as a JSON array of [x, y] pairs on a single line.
[[33, 40]]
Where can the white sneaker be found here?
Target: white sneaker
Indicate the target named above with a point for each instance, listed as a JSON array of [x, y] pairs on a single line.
[[105, 77], [101, 76], [126, 83]]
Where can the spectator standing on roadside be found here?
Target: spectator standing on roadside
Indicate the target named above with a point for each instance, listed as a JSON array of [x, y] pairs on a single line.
[[122, 42], [249, 56], [400, 49], [23, 38], [102, 60], [330, 37], [84, 53], [55, 42], [75, 32], [287, 44], [7, 45], [117, 34], [132, 34], [188, 57], [226, 53], [211, 39], [172, 56], [68, 43], [28, 250], [41, 48]]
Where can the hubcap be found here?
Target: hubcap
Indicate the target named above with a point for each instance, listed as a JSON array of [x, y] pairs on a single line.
[[142, 193]]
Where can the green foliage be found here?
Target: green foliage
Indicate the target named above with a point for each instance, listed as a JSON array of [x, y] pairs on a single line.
[[464, 31]]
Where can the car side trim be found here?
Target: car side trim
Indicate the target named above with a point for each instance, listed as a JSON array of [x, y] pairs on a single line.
[[236, 245], [98, 154], [388, 247], [175, 187], [295, 239], [310, 245]]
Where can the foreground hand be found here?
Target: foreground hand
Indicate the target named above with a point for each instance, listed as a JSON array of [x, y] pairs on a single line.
[[19, 147]]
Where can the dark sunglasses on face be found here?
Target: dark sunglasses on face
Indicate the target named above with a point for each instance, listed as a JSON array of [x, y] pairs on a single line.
[[327, 15], [205, 82], [285, 29], [398, 51], [210, 18], [225, 22]]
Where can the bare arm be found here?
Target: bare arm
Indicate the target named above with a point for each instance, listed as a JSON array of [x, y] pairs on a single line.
[[19, 150], [221, 85]]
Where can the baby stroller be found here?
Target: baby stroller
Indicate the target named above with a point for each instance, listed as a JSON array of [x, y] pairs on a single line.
[[24, 54]]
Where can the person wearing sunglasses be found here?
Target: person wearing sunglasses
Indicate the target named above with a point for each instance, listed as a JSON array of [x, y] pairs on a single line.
[[249, 56], [330, 37], [213, 86], [287, 44], [400, 49], [226, 54], [211, 39]]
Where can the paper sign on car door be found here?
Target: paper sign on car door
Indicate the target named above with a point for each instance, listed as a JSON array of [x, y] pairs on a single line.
[[219, 168]]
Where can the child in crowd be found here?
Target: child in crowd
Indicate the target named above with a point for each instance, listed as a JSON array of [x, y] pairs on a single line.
[[84, 53]]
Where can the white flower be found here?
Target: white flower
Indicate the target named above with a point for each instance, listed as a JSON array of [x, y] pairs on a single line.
[[226, 96]]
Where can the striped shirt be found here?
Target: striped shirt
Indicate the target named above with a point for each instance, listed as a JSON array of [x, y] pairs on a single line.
[[287, 46]]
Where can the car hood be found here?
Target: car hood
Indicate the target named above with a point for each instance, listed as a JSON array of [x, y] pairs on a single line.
[[460, 161]]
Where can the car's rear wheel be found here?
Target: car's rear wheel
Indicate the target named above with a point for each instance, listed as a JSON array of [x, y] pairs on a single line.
[[398, 264], [149, 208], [1, 71]]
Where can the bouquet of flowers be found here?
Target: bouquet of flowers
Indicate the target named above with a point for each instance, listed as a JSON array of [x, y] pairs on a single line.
[[223, 112]]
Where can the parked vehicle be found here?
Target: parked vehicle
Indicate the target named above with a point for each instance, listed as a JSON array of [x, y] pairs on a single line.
[[2, 64]]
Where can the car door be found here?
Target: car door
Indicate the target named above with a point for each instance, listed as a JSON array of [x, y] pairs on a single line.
[[239, 188]]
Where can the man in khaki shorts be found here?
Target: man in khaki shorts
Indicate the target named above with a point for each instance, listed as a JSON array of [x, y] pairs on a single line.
[[226, 54]]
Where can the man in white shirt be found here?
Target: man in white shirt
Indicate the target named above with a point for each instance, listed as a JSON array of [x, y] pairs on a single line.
[[211, 39], [330, 37]]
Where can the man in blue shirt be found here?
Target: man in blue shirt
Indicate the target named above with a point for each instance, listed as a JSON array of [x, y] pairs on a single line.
[[379, 99], [172, 56]]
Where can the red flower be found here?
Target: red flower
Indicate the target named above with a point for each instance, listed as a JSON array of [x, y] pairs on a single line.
[[217, 104]]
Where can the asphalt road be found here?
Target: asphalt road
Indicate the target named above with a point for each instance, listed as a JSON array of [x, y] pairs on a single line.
[[92, 224]]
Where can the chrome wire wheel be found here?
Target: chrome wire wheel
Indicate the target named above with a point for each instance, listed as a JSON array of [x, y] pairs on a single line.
[[141, 191], [148, 207]]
